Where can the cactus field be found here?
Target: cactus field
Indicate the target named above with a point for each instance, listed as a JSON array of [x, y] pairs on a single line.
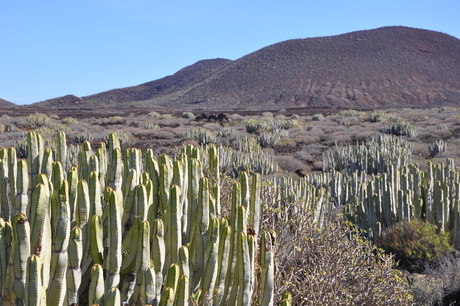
[[162, 209]]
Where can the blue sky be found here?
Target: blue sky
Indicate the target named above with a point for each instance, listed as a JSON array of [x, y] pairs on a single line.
[[53, 48]]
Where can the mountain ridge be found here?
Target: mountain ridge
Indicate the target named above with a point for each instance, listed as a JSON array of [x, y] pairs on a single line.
[[379, 68]]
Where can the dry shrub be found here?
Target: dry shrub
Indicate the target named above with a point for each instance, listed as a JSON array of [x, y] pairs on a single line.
[[38, 119], [440, 283], [332, 266], [164, 134], [289, 163]]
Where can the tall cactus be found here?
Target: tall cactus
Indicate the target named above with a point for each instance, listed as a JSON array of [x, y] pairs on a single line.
[[103, 230]]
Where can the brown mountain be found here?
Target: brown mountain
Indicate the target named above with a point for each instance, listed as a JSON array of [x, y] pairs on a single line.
[[4, 103], [384, 67]]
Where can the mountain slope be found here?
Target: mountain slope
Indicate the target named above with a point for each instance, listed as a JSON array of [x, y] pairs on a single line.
[[4, 103], [384, 67]]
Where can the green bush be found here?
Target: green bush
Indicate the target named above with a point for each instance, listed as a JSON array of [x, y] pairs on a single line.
[[414, 244]]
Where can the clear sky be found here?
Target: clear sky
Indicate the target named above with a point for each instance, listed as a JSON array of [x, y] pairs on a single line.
[[53, 48]]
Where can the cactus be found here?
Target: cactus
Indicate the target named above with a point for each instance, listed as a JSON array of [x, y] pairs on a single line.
[[123, 235], [437, 147]]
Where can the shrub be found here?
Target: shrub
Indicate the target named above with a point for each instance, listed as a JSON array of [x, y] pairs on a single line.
[[289, 163], [38, 119], [280, 117], [440, 283], [380, 116], [188, 115], [414, 243], [69, 121], [442, 126], [154, 115], [427, 290], [57, 127], [350, 113], [2, 128], [317, 117], [83, 136], [333, 266]]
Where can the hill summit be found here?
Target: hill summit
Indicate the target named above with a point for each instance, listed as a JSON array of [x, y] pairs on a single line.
[[379, 68]]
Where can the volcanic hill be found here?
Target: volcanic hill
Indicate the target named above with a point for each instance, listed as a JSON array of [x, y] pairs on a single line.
[[4, 103], [379, 68]]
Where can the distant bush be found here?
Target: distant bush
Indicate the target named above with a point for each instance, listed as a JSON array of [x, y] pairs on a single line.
[[289, 163], [350, 113], [154, 115], [442, 126], [69, 121], [188, 115], [84, 136], [38, 119], [317, 117], [414, 243], [166, 117], [280, 117], [267, 114], [380, 116], [57, 127]]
